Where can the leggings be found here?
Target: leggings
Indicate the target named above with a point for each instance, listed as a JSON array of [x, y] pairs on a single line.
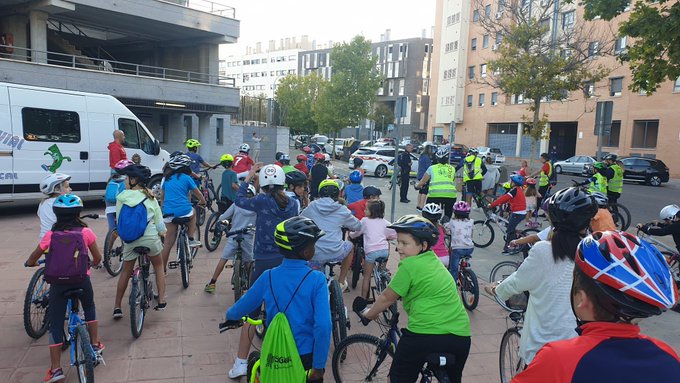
[[57, 307], [514, 220], [413, 348]]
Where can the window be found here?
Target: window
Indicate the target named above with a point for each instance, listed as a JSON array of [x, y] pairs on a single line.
[[50, 125], [545, 24], [611, 140], [482, 99], [499, 37], [615, 86], [219, 129], [518, 99], [501, 6], [644, 134], [676, 86], [620, 45], [469, 100], [482, 70], [568, 20], [487, 10], [593, 48], [485, 41], [494, 98], [589, 89], [188, 126], [475, 15], [401, 87], [473, 44], [129, 127], [471, 72]]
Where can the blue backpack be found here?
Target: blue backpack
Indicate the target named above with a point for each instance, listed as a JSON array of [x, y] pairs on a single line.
[[113, 188], [132, 222]]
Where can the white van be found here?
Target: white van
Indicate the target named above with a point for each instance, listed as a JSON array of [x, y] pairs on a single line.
[[45, 130]]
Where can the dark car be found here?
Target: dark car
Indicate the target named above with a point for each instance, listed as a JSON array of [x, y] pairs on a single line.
[[458, 153], [646, 170]]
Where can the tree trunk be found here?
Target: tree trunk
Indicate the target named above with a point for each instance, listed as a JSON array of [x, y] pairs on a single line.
[[536, 133]]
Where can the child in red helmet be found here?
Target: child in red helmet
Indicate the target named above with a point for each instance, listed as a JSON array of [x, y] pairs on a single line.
[[302, 164]]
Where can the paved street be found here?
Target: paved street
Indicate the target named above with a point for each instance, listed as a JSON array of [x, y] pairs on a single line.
[[182, 344]]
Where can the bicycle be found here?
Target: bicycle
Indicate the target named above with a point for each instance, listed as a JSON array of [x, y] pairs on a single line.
[[483, 227], [466, 280], [113, 253], [36, 300], [619, 212], [381, 279], [185, 253], [141, 293], [509, 361], [357, 261], [208, 188], [240, 279], [370, 353], [339, 319], [83, 356], [671, 254], [214, 229]]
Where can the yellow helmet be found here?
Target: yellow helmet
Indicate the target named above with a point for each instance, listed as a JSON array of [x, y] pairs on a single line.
[[191, 143], [227, 157]]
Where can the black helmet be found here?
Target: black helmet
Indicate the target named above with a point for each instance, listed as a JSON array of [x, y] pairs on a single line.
[[140, 172], [611, 157], [295, 233], [329, 188], [278, 155], [571, 208], [296, 177], [357, 161], [371, 191], [418, 227]]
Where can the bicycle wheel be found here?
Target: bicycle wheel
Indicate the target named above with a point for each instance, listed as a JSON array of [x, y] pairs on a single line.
[[482, 234], [137, 306], [624, 212], [200, 217], [502, 270], [183, 255], [36, 305], [509, 361], [362, 358], [338, 314], [356, 265], [469, 288], [213, 232], [84, 355], [618, 219], [253, 358], [113, 253], [236, 280]]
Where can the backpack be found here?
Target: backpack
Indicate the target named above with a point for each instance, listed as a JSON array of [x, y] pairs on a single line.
[[132, 222], [552, 179], [279, 359], [67, 261], [113, 188], [470, 167]]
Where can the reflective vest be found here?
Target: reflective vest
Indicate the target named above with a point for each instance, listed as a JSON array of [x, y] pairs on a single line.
[[442, 183], [472, 168], [598, 184], [289, 168], [616, 183], [544, 180]]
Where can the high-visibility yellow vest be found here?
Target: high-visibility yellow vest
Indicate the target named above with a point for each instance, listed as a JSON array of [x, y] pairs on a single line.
[[442, 184], [599, 184], [544, 179], [476, 164], [616, 183]]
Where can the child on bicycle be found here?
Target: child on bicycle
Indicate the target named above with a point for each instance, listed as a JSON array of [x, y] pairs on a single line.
[[618, 279], [669, 224], [433, 212], [318, 173], [297, 189], [532, 197], [375, 236], [284, 159], [115, 186], [240, 219], [518, 207], [332, 217], [355, 190], [460, 228], [437, 320], [196, 160], [271, 207], [229, 181], [295, 285], [136, 181], [358, 208], [52, 186], [242, 161], [602, 221], [302, 164], [67, 208]]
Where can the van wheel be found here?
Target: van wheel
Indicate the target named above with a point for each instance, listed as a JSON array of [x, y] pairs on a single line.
[[155, 186]]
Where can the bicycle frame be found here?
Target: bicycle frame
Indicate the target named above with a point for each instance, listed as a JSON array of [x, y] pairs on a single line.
[[656, 242], [74, 321]]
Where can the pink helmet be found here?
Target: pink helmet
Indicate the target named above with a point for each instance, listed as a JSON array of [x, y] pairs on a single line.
[[461, 207], [122, 164]]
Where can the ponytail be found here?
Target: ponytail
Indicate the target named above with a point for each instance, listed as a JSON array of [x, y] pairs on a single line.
[[279, 195]]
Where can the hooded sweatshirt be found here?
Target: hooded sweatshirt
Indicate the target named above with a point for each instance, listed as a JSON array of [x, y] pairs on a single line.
[[116, 153], [331, 217], [268, 216], [154, 215]]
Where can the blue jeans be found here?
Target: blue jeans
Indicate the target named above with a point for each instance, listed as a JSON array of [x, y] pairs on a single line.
[[514, 220], [454, 260]]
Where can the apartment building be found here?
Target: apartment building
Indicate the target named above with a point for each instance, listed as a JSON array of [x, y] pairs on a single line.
[[643, 125], [159, 58], [405, 67]]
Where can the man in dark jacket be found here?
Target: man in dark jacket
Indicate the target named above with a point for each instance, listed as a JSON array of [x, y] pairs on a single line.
[[404, 161]]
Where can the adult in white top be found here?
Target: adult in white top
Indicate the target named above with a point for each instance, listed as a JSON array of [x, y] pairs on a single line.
[[256, 147], [547, 273]]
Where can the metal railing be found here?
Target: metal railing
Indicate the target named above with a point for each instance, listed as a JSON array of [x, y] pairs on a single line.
[[111, 66], [214, 7]]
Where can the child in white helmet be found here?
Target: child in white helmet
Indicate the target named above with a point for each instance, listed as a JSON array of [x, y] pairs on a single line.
[[52, 186]]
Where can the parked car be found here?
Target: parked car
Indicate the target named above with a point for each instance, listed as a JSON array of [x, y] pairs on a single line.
[[301, 141], [338, 143], [377, 159], [499, 158], [485, 151], [458, 153], [645, 170], [580, 165], [318, 139]]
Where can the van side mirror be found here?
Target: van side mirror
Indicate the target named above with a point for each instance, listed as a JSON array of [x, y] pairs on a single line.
[[156, 148]]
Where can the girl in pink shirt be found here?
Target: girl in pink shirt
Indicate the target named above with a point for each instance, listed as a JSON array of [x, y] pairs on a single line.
[[433, 212], [376, 234]]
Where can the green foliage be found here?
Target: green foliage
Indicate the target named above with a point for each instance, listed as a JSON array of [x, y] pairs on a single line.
[[297, 97], [653, 26], [383, 115]]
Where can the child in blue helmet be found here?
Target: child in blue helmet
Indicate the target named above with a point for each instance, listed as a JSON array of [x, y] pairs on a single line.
[[518, 206], [355, 190]]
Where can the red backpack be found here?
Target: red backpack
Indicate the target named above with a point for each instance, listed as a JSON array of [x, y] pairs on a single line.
[[68, 259]]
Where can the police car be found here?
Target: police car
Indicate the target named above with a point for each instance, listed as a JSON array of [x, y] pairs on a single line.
[[377, 160]]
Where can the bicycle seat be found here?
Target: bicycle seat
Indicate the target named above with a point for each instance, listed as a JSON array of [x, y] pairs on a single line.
[[332, 264], [381, 260], [439, 360], [72, 293], [181, 220], [141, 250]]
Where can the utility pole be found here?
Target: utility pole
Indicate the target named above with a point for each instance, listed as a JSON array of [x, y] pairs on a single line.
[[402, 102]]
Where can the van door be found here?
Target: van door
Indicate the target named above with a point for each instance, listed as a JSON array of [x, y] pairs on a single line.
[[54, 126], [139, 141], [8, 143]]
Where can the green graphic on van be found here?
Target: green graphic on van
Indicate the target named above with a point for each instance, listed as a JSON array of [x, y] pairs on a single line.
[[57, 159]]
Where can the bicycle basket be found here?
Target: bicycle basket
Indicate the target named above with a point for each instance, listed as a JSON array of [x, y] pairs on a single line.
[[516, 303]]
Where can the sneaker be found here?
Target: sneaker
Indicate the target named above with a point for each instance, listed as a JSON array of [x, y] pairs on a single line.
[[161, 306], [209, 288], [239, 369], [195, 243], [344, 286], [98, 348], [419, 210], [54, 375], [117, 313]]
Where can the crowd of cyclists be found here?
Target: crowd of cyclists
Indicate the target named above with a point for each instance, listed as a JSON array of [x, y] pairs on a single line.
[[588, 283]]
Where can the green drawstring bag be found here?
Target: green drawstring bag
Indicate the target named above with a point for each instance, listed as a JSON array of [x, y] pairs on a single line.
[[279, 357]]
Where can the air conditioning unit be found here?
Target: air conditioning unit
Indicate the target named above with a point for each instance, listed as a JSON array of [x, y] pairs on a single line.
[[495, 47]]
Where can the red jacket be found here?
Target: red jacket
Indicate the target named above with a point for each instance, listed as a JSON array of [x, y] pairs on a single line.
[[358, 208], [116, 153], [518, 203], [301, 166]]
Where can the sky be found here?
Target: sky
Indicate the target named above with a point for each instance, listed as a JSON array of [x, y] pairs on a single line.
[[323, 20]]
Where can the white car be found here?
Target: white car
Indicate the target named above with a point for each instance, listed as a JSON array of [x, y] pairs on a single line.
[[499, 157], [338, 143], [377, 159]]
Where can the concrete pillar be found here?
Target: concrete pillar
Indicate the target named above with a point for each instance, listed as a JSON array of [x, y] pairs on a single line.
[[518, 144], [17, 26], [38, 27], [206, 135]]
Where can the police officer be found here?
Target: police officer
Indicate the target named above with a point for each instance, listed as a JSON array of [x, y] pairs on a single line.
[[405, 169], [615, 176]]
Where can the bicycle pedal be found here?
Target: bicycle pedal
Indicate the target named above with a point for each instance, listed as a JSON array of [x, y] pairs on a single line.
[[173, 264]]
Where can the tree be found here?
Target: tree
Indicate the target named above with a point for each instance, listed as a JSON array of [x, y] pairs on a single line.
[[383, 115], [654, 55], [297, 97], [541, 62], [352, 89]]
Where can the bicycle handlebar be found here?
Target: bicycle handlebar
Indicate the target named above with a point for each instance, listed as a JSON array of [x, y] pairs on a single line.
[[358, 306], [233, 324]]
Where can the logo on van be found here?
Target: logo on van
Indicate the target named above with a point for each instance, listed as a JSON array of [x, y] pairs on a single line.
[[57, 159], [10, 140]]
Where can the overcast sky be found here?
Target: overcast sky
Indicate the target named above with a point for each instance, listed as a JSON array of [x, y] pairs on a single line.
[[323, 20]]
